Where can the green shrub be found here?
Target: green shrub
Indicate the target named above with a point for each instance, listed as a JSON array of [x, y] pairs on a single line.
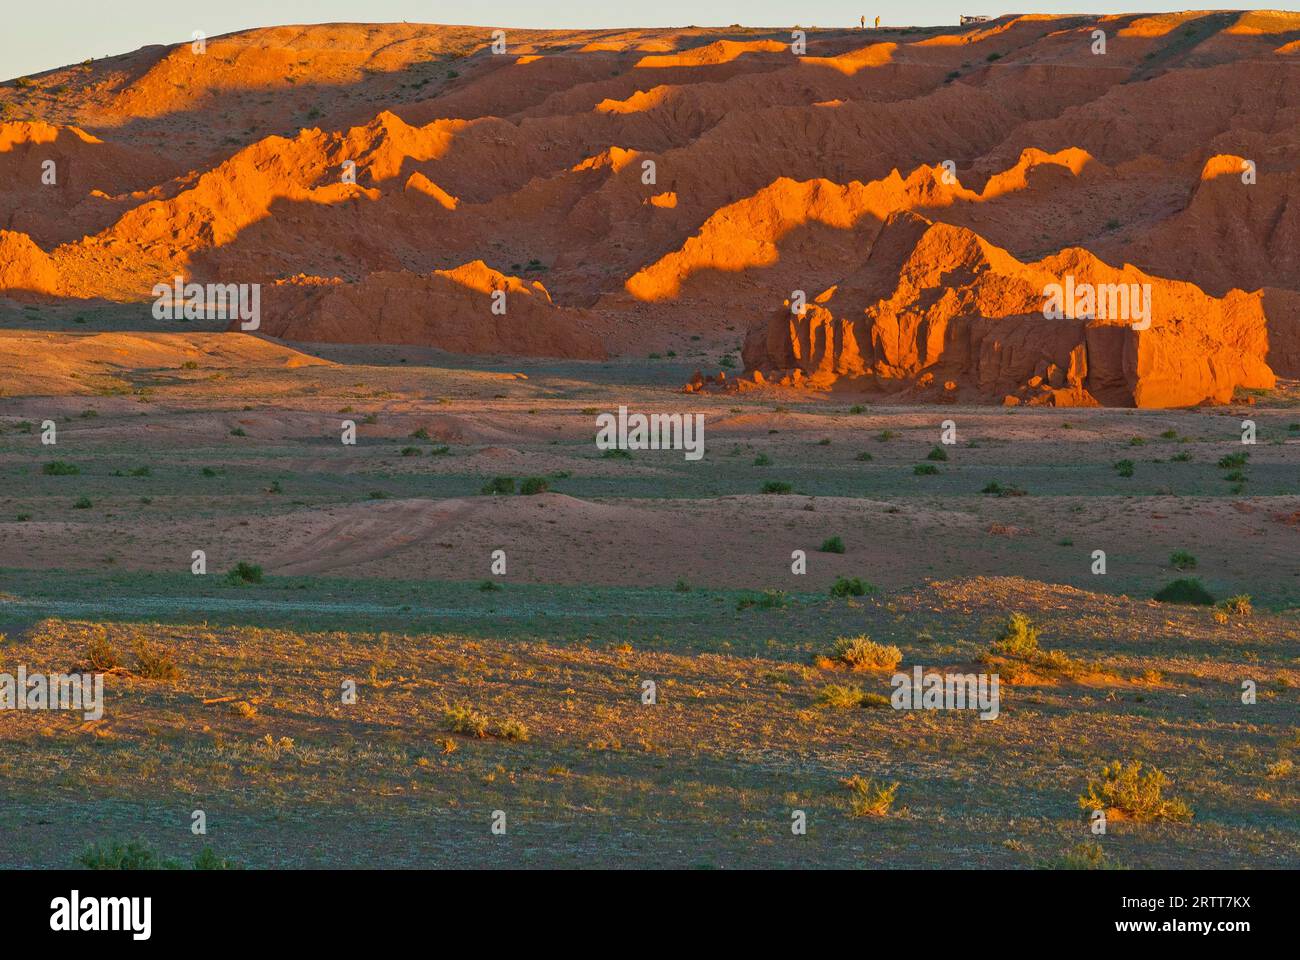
[[465, 719], [925, 469], [82, 503], [851, 587], [937, 453], [767, 600], [1019, 637], [870, 799], [1124, 468], [861, 653], [502, 485], [839, 696], [60, 468], [1134, 794], [996, 489], [489, 585], [762, 460], [1182, 560], [155, 662], [777, 486], [244, 572], [615, 453], [1233, 461], [1186, 590], [101, 655], [133, 855], [832, 545], [534, 485], [1239, 605], [1088, 855]]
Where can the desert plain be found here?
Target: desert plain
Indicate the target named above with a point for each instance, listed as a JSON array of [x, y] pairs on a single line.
[[430, 647]]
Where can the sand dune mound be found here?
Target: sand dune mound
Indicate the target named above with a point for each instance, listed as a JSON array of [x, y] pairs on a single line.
[[470, 309], [55, 363]]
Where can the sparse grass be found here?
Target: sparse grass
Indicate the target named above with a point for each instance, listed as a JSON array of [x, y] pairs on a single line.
[[870, 799], [138, 855], [466, 720], [1239, 605], [1124, 788], [839, 696], [1088, 855], [767, 600], [995, 489]]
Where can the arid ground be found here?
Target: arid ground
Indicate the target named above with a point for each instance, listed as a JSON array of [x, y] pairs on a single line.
[[626, 570], [945, 522]]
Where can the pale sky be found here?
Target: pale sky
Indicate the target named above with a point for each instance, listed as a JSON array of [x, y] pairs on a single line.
[[43, 34]]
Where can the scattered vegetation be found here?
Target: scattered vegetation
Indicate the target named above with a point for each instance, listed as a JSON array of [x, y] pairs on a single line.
[[1088, 855], [465, 719], [138, 855], [870, 799], [244, 572], [851, 587], [501, 485], [533, 486], [1185, 590], [860, 653], [767, 600], [1135, 794], [154, 662]]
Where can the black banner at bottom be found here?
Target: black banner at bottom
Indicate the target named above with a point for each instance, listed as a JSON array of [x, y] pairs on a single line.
[[303, 909]]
